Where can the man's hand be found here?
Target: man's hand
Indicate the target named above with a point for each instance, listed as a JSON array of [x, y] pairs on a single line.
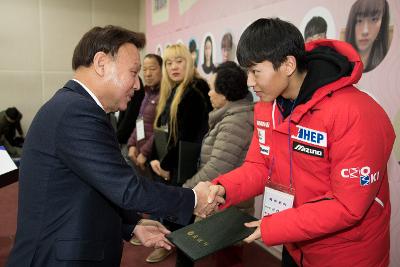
[[152, 234], [140, 161], [208, 198], [257, 233], [133, 153]]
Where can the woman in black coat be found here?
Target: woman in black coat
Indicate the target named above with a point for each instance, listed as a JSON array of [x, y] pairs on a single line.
[[183, 108], [182, 113]]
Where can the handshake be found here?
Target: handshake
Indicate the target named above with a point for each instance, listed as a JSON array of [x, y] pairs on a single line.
[[209, 197]]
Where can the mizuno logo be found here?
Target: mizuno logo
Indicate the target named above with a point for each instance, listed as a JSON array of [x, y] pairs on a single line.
[[309, 150], [264, 149]]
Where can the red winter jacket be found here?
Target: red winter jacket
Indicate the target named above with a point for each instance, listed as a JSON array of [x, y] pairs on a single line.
[[340, 142]]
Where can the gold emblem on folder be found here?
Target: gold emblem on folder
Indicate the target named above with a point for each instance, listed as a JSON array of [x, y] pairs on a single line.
[[192, 234]]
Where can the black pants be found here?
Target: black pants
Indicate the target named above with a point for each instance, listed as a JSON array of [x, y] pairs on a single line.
[[287, 260]]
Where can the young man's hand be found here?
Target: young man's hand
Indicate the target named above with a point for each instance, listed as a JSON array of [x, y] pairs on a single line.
[[257, 233]]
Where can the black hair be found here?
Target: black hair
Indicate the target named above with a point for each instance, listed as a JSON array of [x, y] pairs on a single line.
[[192, 46], [156, 57], [316, 25], [208, 39], [108, 40], [271, 39], [231, 81], [14, 114]]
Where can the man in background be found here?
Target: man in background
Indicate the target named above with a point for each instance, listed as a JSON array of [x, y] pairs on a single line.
[[10, 125]]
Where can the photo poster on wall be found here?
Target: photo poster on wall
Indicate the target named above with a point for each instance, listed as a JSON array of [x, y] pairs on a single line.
[[215, 40], [208, 52], [160, 11], [372, 27]]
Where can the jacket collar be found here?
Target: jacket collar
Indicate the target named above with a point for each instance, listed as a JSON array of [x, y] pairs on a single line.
[[78, 88], [326, 90], [231, 107], [152, 90]]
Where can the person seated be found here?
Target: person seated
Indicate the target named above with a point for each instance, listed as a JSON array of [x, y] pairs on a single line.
[[10, 125]]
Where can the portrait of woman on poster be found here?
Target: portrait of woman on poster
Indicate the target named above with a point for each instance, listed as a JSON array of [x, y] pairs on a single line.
[[194, 51], [367, 30], [208, 65], [226, 47]]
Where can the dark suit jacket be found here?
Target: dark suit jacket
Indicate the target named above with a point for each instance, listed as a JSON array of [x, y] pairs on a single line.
[[74, 185]]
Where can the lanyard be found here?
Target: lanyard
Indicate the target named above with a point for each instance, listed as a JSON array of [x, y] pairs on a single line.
[[289, 147], [272, 162]]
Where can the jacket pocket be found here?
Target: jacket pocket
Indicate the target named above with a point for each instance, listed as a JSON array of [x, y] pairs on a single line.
[[81, 250]]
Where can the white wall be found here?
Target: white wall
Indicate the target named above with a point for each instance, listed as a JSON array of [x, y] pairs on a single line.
[[37, 39]]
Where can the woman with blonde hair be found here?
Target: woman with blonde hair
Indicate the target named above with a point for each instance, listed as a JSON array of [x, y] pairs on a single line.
[[182, 112]]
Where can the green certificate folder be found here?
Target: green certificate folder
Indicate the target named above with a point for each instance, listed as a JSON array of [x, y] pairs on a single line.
[[216, 232]]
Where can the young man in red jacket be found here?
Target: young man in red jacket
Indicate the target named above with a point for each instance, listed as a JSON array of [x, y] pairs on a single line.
[[315, 151]]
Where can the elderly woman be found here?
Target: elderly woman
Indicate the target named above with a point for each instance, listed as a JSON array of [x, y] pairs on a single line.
[[230, 124], [230, 131]]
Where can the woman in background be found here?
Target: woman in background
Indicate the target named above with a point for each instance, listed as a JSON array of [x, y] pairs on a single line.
[[367, 30], [182, 112], [227, 141], [140, 143]]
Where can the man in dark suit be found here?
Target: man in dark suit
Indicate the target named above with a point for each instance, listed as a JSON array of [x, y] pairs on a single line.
[[75, 187]]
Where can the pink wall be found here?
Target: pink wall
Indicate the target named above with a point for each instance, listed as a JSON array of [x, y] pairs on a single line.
[[218, 16]]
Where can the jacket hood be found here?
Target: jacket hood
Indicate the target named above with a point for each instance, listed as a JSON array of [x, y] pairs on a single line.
[[331, 65]]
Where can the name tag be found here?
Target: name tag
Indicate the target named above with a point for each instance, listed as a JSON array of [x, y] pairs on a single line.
[[139, 129], [276, 200]]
